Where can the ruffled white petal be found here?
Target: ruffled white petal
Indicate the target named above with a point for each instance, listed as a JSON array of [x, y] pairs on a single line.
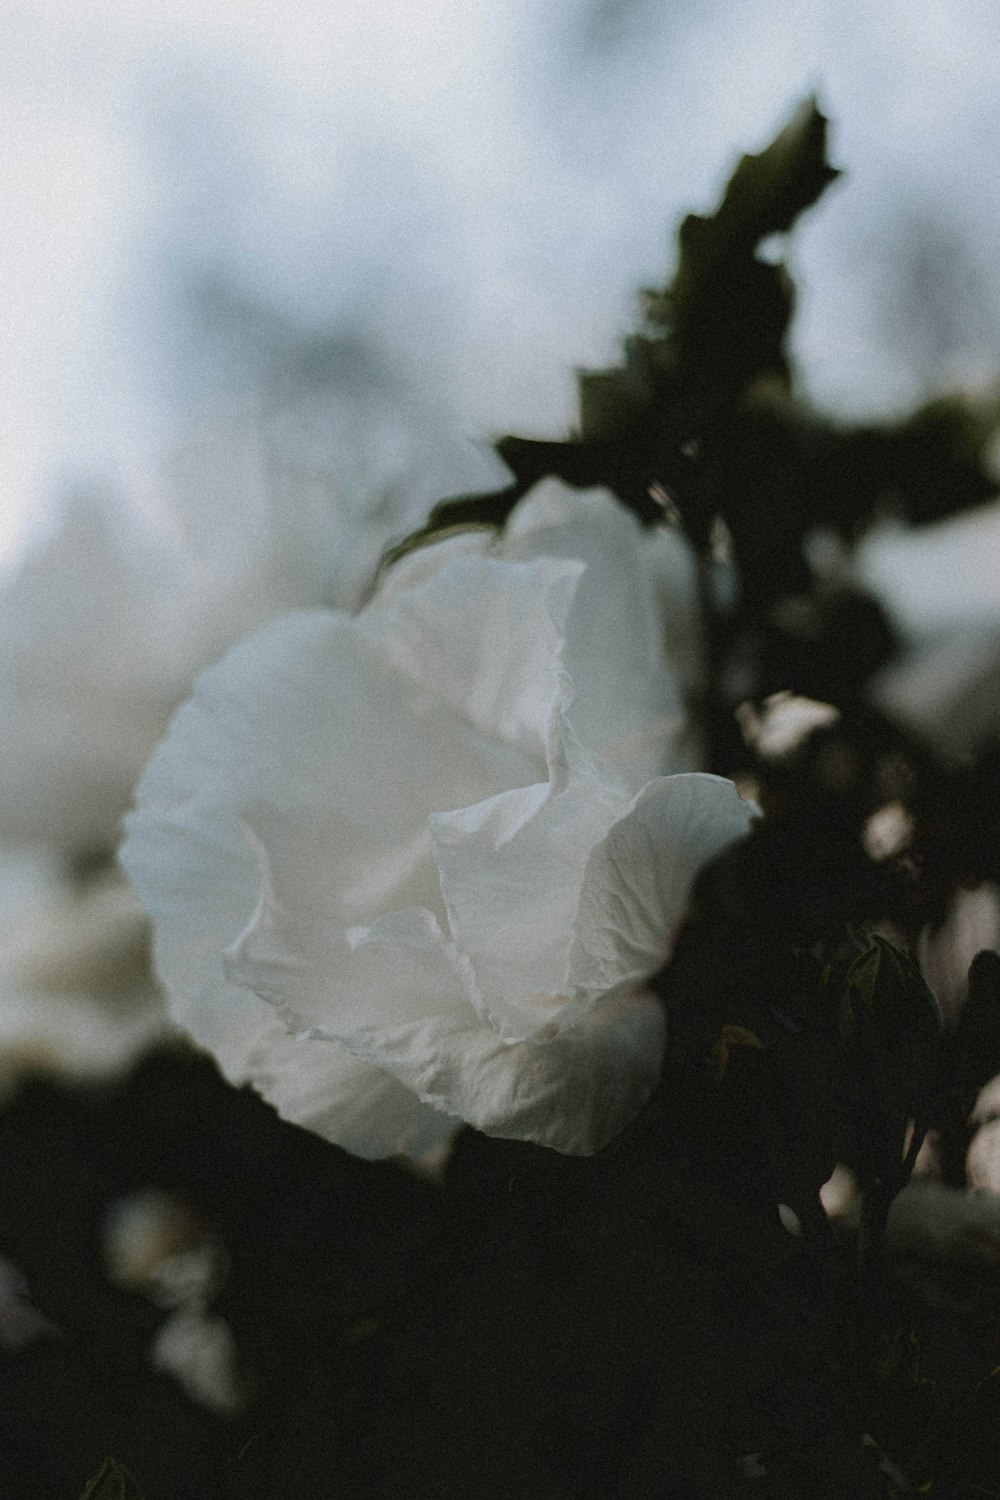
[[402, 865], [511, 870], [638, 879], [626, 707], [391, 995], [326, 1088], [199, 876], [573, 1092], [481, 635], [586, 1063], [400, 969]]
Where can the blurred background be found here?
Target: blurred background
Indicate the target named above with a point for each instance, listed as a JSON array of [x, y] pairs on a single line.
[[274, 277], [362, 237]]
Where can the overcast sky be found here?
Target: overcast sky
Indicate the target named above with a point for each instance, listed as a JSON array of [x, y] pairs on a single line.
[[451, 204]]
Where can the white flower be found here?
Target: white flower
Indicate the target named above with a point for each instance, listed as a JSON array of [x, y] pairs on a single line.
[[413, 866]]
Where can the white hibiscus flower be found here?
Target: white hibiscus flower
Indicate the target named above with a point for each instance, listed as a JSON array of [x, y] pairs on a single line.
[[413, 866]]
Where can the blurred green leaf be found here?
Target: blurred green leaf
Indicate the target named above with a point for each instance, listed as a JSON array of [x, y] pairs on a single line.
[[768, 191], [727, 313], [886, 1018], [112, 1482]]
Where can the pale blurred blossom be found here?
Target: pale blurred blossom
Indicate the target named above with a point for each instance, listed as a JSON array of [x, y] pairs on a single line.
[[153, 1244], [785, 721], [947, 690], [938, 578], [106, 622], [86, 681], [932, 1222], [941, 587], [840, 1194], [77, 1000], [887, 832], [197, 1347], [414, 866], [982, 1161], [141, 1233], [945, 952]]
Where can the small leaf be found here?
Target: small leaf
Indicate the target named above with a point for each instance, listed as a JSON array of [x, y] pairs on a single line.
[[466, 513], [888, 1023], [768, 191]]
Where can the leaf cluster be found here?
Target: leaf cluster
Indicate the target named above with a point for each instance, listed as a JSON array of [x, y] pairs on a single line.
[[703, 417]]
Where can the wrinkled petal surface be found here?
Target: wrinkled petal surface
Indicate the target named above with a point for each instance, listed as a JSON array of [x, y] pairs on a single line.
[[409, 867], [637, 880]]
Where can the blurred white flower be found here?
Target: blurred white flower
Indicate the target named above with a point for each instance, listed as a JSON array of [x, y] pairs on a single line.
[[982, 1160], [786, 722], [930, 1222], [935, 579], [413, 866], [84, 683], [971, 923], [939, 585], [153, 1244], [106, 623], [142, 1233], [947, 690], [839, 1194], [197, 1347], [104, 628], [77, 999]]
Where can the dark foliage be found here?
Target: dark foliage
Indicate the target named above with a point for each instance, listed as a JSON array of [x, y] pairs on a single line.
[[629, 1325], [703, 422], [703, 416]]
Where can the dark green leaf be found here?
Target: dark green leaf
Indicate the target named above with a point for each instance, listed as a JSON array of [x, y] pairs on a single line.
[[884, 1009], [768, 191]]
